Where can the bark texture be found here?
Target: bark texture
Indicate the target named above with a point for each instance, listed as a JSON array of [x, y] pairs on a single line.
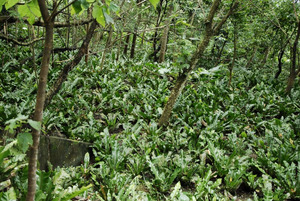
[[40, 100]]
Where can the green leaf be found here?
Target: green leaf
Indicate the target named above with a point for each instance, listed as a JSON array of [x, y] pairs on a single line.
[[75, 193], [11, 3], [2, 2], [154, 3], [15, 123], [34, 9], [107, 2], [77, 6], [244, 134], [108, 19], [98, 15], [24, 140], [114, 7], [30, 10], [86, 160], [23, 10], [3, 154], [31, 19], [35, 124], [85, 4]]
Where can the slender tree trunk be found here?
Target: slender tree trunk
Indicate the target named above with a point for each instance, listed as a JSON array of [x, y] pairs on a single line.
[[182, 78], [87, 29], [68, 67], [293, 73], [220, 52], [126, 44], [132, 51], [234, 53], [155, 37], [143, 36], [33, 51], [106, 47], [164, 38], [137, 23], [266, 56], [119, 46], [251, 58], [69, 28], [40, 100], [280, 55]]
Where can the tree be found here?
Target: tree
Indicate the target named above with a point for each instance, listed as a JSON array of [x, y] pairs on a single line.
[[293, 70], [164, 38], [210, 30], [40, 8]]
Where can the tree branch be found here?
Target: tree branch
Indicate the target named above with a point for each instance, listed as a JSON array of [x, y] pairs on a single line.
[[8, 39], [224, 19], [61, 10], [10, 19], [68, 67]]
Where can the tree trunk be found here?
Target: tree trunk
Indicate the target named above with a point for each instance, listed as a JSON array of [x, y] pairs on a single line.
[[234, 53], [106, 47], [126, 44], [293, 73], [137, 23], [280, 55], [182, 78], [132, 51], [251, 58], [164, 38], [87, 29], [155, 37], [68, 67], [266, 56], [119, 46], [40, 100]]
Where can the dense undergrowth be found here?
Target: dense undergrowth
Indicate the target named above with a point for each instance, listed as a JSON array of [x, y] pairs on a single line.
[[223, 142]]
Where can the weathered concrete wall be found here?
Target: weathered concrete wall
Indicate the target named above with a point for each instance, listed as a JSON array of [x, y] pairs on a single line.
[[61, 152]]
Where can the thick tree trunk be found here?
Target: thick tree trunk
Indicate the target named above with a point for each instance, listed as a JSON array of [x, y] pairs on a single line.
[[68, 67], [40, 100], [164, 38], [293, 73], [181, 80]]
